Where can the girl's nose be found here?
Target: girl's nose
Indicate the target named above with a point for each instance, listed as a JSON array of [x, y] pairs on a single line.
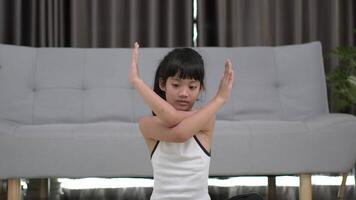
[[183, 93]]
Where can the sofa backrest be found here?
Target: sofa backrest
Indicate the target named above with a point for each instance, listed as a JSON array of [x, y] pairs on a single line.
[[81, 85], [271, 83]]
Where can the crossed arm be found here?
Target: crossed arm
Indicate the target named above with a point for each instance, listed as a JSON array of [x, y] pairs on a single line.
[[168, 115], [164, 111], [177, 126]]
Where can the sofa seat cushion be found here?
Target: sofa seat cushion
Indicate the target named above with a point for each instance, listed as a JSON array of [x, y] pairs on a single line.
[[78, 150], [73, 150], [319, 145]]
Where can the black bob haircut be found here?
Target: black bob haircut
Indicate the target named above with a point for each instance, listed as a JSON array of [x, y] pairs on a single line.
[[184, 62]]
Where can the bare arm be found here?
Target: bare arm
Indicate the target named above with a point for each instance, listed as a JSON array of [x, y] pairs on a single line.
[[152, 129], [168, 115]]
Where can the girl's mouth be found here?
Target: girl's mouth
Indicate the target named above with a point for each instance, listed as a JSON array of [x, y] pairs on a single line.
[[182, 102]]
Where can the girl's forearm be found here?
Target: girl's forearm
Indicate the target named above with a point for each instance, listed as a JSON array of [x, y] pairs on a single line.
[[164, 111], [197, 121]]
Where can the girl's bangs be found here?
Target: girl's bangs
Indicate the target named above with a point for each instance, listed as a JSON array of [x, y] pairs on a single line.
[[193, 71]]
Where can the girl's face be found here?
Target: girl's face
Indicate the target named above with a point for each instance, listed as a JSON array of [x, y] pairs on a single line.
[[181, 93]]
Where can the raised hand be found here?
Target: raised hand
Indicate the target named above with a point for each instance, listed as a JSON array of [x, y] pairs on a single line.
[[226, 82], [134, 74]]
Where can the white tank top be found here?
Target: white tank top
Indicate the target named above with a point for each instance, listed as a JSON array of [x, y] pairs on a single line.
[[180, 171]]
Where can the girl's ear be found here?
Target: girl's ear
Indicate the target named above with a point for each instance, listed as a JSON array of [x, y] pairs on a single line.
[[162, 85], [201, 90]]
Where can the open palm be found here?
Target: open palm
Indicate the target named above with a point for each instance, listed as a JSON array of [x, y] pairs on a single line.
[[226, 82], [134, 74]]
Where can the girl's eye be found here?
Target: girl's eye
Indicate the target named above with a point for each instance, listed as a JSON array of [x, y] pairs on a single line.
[[192, 87], [175, 85]]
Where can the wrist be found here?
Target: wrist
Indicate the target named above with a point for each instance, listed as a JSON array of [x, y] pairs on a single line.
[[220, 100], [136, 82]]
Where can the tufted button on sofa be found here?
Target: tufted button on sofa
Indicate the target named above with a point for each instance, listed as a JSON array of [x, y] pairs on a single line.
[[70, 112]]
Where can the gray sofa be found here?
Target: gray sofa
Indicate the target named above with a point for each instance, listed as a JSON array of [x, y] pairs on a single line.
[[70, 112]]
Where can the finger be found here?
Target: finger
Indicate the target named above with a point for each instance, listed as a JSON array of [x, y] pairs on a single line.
[[225, 75], [224, 80], [135, 54], [229, 64], [231, 77], [136, 50], [226, 67], [137, 46], [228, 61]]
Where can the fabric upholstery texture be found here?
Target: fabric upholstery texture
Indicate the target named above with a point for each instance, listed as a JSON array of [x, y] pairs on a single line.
[[71, 112]]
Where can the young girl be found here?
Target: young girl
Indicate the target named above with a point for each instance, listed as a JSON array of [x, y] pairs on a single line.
[[178, 137]]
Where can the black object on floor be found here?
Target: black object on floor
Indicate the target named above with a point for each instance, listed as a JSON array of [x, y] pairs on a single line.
[[249, 196]]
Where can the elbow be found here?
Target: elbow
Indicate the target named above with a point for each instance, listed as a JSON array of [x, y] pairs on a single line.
[[180, 136], [168, 117], [172, 120]]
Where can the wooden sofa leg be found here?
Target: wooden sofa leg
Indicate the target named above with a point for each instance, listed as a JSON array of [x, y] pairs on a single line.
[[305, 187], [44, 189], [38, 188], [341, 193], [1, 192], [272, 188], [13, 189]]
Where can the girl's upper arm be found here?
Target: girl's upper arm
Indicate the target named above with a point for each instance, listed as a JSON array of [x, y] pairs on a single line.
[[177, 117], [154, 128]]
